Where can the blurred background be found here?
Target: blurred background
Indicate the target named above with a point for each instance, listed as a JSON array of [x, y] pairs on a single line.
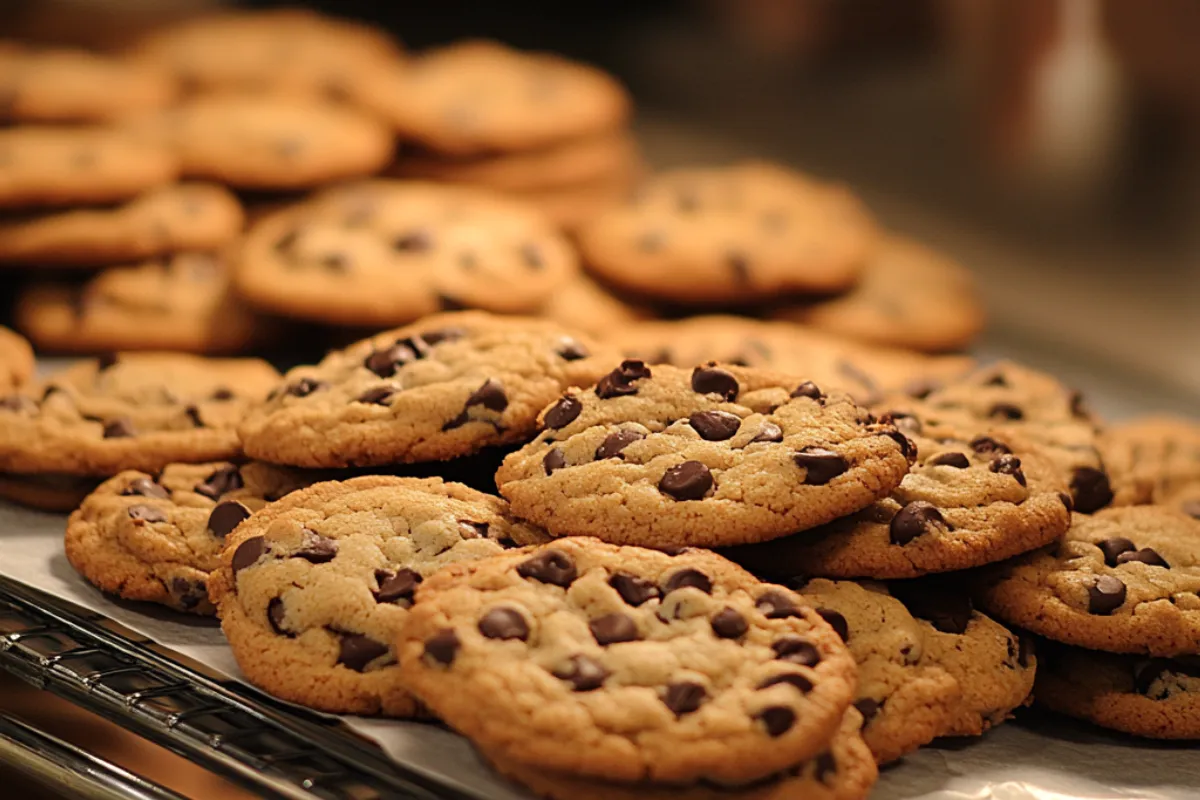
[[1052, 145]]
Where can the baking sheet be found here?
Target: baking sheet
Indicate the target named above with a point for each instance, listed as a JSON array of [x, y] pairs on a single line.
[[1038, 757]]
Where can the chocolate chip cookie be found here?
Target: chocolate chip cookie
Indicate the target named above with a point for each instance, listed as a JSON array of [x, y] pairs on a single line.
[[1158, 698], [313, 591], [447, 386], [161, 221], [183, 302], [476, 97], [16, 359], [970, 499], [158, 537], [45, 166], [386, 253], [908, 295], [47, 492], [716, 455], [1153, 459], [626, 664], [747, 232], [1125, 580], [131, 411]]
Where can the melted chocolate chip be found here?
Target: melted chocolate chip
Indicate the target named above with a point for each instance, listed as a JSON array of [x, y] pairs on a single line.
[[147, 513], [378, 396], [789, 678], [616, 442], [355, 651], [715, 426], [907, 448], [688, 577], [247, 553], [820, 465], [188, 593], [1146, 556], [549, 566], [443, 646], [868, 708], [713, 380], [582, 672], [810, 390], [304, 387], [614, 628], [770, 433], [571, 350], [986, 445], [956, 460], [836, 621], [120, 428], [684, 697], [146, 487], [490, 395], [620, 381], [316, 548], [795, 650], [778, 720], [690, 480], [633, 590], [225, 517], [395, 586], [193, 415], [1106, 595], [504, 623], [1008, 465], [554, 460], [563, 413], [729, 624], [220, 481], [915, 519], [1114, 547], [777, 605], [384, 363], [275, 616], [1006, 411], [417, 241], [1090, 490]]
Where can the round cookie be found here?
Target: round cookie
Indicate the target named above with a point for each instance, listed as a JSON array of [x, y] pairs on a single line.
[[313, 591], [447, 386], [49, 492], [272, 142], [1158, 698], [277, 51], [1036, 407], [386, 253], [45, 166], [863, 371], [1124, 580], [156, 538], [968, 500], [16, 360], [908, 295], [561, 164], [1152, 459], [716, 455], [132, 411], [626, 664], [481, 97], [183, 302], [63, 85], [845, 771], [161, 221], [584, 304], [742, 233]]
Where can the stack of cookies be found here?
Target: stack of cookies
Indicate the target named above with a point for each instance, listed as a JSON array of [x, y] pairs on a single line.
[[548, 131]]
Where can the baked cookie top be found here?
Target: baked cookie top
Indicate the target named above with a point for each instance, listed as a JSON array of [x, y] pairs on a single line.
[[156, 537], [16, 359], [969, 499], [389, 252], [665, 457], [130, 411], [746, 232], [1153, 459], [313, 591], [446, 386], [1124, 580], [480, 97], [627, 664]]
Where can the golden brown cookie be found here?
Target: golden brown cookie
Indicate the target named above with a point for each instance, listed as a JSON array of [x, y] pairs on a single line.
[[16, 360]]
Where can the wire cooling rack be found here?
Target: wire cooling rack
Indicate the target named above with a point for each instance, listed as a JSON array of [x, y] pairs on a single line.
[[271, 749]]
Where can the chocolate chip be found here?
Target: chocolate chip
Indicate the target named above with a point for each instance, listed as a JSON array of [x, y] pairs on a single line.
[[777, 605], [105, 361], [1090, 489], [571, 350], [1066, 500], [225, 517], [443, 646], [947, 610], [490, 395], [554, 460], [620, 381], [533, 257], [145, 487], [684, 697], [147, 513], [549, 566], [504, 623], [688, 577], [633, 590], [187, 593], [986, 445], [907, 448], [316, 548], [417, 241], [247, 553], [797, 651], [1191, 508], [384, 363], [220, 481], [275, 615], [810, 390], [582, 672], [120, 428], [193, 415], [956, 460], [915, 519], [715, 426], [770, 433], [1105, 596], [616, 442], [1146, 555], [905, 422], [729, 624], [222, 393], [836, 621], [824, 766], [820, 465], [690, 480], [1006, 411], [713, 380], [614, 628], [304, 387], [378, 396], [739, 265], [1114, 547], [789, 678], [399, 585], [355, 651], [563, 413], [868, 708], [433, 338], [1008, 465], [778, 720]]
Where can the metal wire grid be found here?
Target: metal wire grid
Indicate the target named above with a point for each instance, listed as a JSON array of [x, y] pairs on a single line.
[[273, 750]]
